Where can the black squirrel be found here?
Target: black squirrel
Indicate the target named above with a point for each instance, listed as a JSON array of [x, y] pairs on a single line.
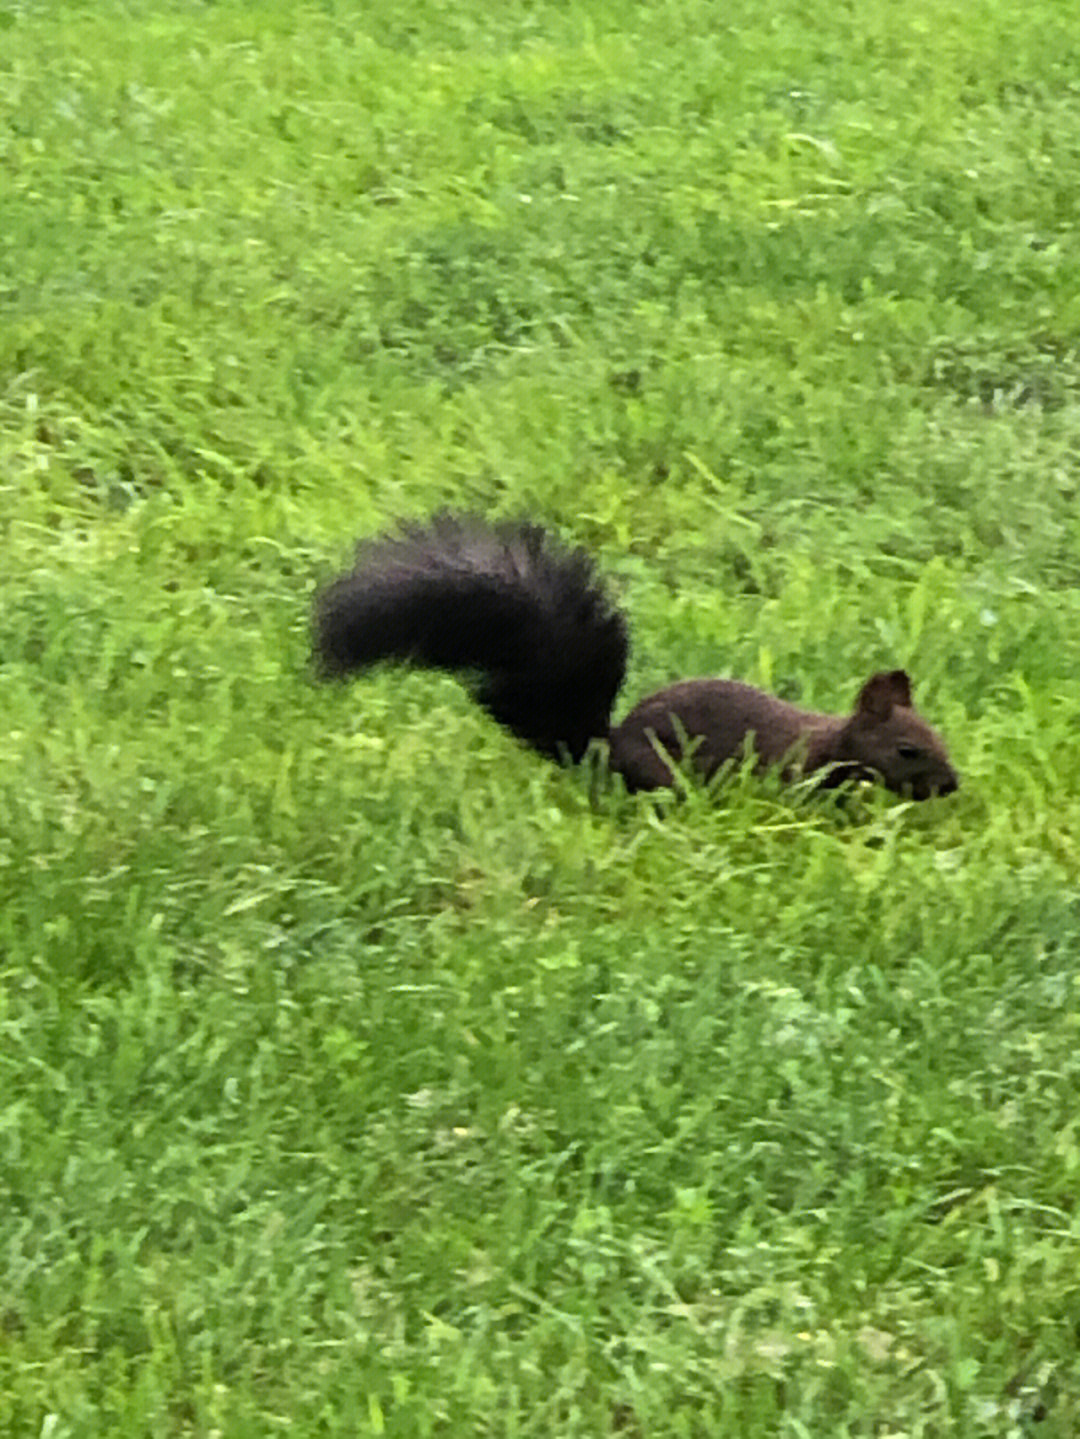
[[532, 631]]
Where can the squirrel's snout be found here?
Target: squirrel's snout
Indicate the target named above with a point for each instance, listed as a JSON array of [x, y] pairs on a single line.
[[934, 788]]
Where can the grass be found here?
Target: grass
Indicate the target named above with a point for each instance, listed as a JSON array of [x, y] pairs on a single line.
[[360, 1074]]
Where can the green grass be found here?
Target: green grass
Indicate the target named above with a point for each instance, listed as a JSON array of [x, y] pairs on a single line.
[[359, 1073]]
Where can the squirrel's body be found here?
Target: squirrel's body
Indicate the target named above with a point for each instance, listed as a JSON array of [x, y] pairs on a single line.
[[717, 716], [533, 631]]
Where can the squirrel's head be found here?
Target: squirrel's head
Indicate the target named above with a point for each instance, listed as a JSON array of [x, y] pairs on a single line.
[[888, 737]]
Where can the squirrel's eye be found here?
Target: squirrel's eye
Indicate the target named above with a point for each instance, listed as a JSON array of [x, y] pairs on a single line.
[[909, 751]]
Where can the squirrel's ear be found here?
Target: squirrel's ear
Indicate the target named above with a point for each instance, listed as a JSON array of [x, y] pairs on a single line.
[[882, 692]]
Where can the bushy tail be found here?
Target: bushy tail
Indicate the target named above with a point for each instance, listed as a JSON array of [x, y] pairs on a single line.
[[525, 622]]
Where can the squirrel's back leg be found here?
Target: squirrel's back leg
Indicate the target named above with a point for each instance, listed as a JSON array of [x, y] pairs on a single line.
[[636, 758]]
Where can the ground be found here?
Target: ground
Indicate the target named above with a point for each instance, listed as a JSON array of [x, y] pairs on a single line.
[[359, 1072]]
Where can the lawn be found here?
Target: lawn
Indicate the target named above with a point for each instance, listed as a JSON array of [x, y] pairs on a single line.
[[360, 1072]]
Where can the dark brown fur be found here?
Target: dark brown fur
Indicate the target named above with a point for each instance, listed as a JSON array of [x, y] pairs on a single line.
[[536, 636], [884, 738]]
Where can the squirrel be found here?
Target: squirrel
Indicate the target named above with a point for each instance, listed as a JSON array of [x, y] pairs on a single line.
[[534, 634]]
